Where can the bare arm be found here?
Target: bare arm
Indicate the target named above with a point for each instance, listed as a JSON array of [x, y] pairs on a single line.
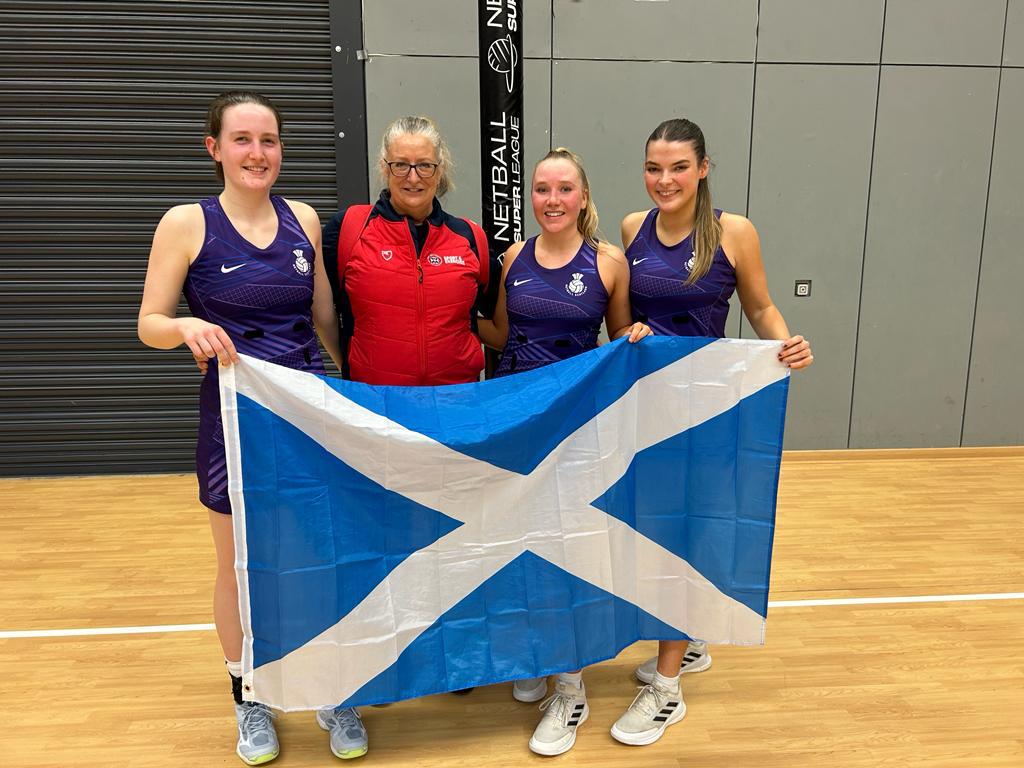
[[618, 317], [630, 226], [741, 243], [176, 243], [494, 332], [324, 319]]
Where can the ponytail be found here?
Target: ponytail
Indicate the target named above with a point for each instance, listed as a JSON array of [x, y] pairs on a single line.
[[587, 221], [707, 229]]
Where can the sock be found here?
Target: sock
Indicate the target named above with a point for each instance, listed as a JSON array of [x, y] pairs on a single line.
[[576, 678], [235, 671], [665, 683]]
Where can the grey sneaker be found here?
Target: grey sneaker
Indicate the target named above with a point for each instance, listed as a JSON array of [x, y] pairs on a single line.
[[348, 734], [696, 659], [652, 711], [257, 739], [530, 689], [566, 710]]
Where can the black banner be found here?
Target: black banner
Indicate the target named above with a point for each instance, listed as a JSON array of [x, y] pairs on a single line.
[[501, 121]]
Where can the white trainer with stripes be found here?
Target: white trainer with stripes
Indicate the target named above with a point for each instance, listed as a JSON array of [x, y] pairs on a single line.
[[564, 711], [653, 710], [696, 659]]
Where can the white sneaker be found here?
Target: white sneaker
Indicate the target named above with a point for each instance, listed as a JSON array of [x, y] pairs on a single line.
[[257, 739], [348, 734], [652, 711], [530, 689], [696, 659], [566, 710]]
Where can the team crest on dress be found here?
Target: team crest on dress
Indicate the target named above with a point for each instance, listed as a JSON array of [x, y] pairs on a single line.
[[301, 264], [434, 260], [575, 287], [689, 263], [386, 255]]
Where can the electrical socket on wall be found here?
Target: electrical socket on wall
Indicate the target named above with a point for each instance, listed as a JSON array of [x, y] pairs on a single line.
[[803, 288]]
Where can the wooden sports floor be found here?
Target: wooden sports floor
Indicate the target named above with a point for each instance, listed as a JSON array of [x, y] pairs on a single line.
[[897, 683]]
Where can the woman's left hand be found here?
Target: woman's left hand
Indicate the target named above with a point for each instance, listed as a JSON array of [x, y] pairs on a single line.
[[796, 353], [636, 332]]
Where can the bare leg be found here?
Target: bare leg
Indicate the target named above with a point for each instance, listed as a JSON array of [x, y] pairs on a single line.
[[225, 590], [670, 657]]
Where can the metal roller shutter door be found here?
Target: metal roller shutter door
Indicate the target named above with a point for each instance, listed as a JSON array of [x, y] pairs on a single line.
[[101, 112]]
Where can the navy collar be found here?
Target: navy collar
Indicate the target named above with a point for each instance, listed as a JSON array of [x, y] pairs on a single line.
[[387, 210]]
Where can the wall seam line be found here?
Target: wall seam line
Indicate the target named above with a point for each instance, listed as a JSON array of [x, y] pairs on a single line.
[[867, 218], [984, 227], [753, 107]]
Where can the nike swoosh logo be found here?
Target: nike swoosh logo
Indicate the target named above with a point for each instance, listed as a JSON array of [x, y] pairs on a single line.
[[225, 269], [637, 261], [517, 283]]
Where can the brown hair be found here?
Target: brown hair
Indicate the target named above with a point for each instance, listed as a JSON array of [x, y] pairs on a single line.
[[587, 221], [707, 229], [215, 114]]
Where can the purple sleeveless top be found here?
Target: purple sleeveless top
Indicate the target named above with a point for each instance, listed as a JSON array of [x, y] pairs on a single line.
[[263, 299], [658, 292], [553, 314]]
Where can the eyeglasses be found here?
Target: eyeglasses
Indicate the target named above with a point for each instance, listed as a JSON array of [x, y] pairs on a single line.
[[402, 169]]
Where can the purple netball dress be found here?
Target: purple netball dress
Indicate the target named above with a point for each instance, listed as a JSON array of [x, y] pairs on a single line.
[[263, 299], [658, 292], [553, 314]]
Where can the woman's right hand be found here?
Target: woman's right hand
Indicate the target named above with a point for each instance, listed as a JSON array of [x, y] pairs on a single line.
[[206, 341]]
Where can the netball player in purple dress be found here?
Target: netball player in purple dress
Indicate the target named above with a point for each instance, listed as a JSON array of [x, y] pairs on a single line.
[[555, 291], [250, 266], [685, 261]]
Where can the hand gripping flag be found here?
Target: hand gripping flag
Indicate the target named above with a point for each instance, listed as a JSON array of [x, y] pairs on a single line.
[[393, 542]]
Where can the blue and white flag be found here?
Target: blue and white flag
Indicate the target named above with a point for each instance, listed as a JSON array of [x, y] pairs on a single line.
[[393, 542]]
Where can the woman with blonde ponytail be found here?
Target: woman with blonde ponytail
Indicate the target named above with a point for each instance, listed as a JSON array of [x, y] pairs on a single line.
[[558, 287], [685, 260], [555, 290]]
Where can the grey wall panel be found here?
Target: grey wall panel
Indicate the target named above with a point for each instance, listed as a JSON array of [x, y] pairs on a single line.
[[682, 30], [446, 89], [445, 27], [842, 31], [929, 179], [995, 413], [1013, 45], [943, 31], [808, 199], [611, 141]]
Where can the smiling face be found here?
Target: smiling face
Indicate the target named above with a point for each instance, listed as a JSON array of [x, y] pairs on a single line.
[[672, 173], [248, 147], [412, 196], [558, 195]]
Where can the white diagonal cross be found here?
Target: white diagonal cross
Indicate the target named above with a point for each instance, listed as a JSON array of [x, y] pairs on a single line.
[[504, 514]]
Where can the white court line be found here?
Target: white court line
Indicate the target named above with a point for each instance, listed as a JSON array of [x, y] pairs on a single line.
[[890, 600], [18, 634]]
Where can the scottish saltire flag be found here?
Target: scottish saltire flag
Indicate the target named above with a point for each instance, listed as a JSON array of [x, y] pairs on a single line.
[[393, 542]]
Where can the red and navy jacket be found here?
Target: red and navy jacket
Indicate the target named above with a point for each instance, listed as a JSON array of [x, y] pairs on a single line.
[[407, 294]]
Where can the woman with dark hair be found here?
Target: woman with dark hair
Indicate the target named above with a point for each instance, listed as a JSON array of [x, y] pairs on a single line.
[[556, 290], [250, 267], [685, 260]]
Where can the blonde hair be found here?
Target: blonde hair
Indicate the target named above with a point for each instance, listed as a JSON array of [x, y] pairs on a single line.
[[587, 221], [707, 229], [419, 125]]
